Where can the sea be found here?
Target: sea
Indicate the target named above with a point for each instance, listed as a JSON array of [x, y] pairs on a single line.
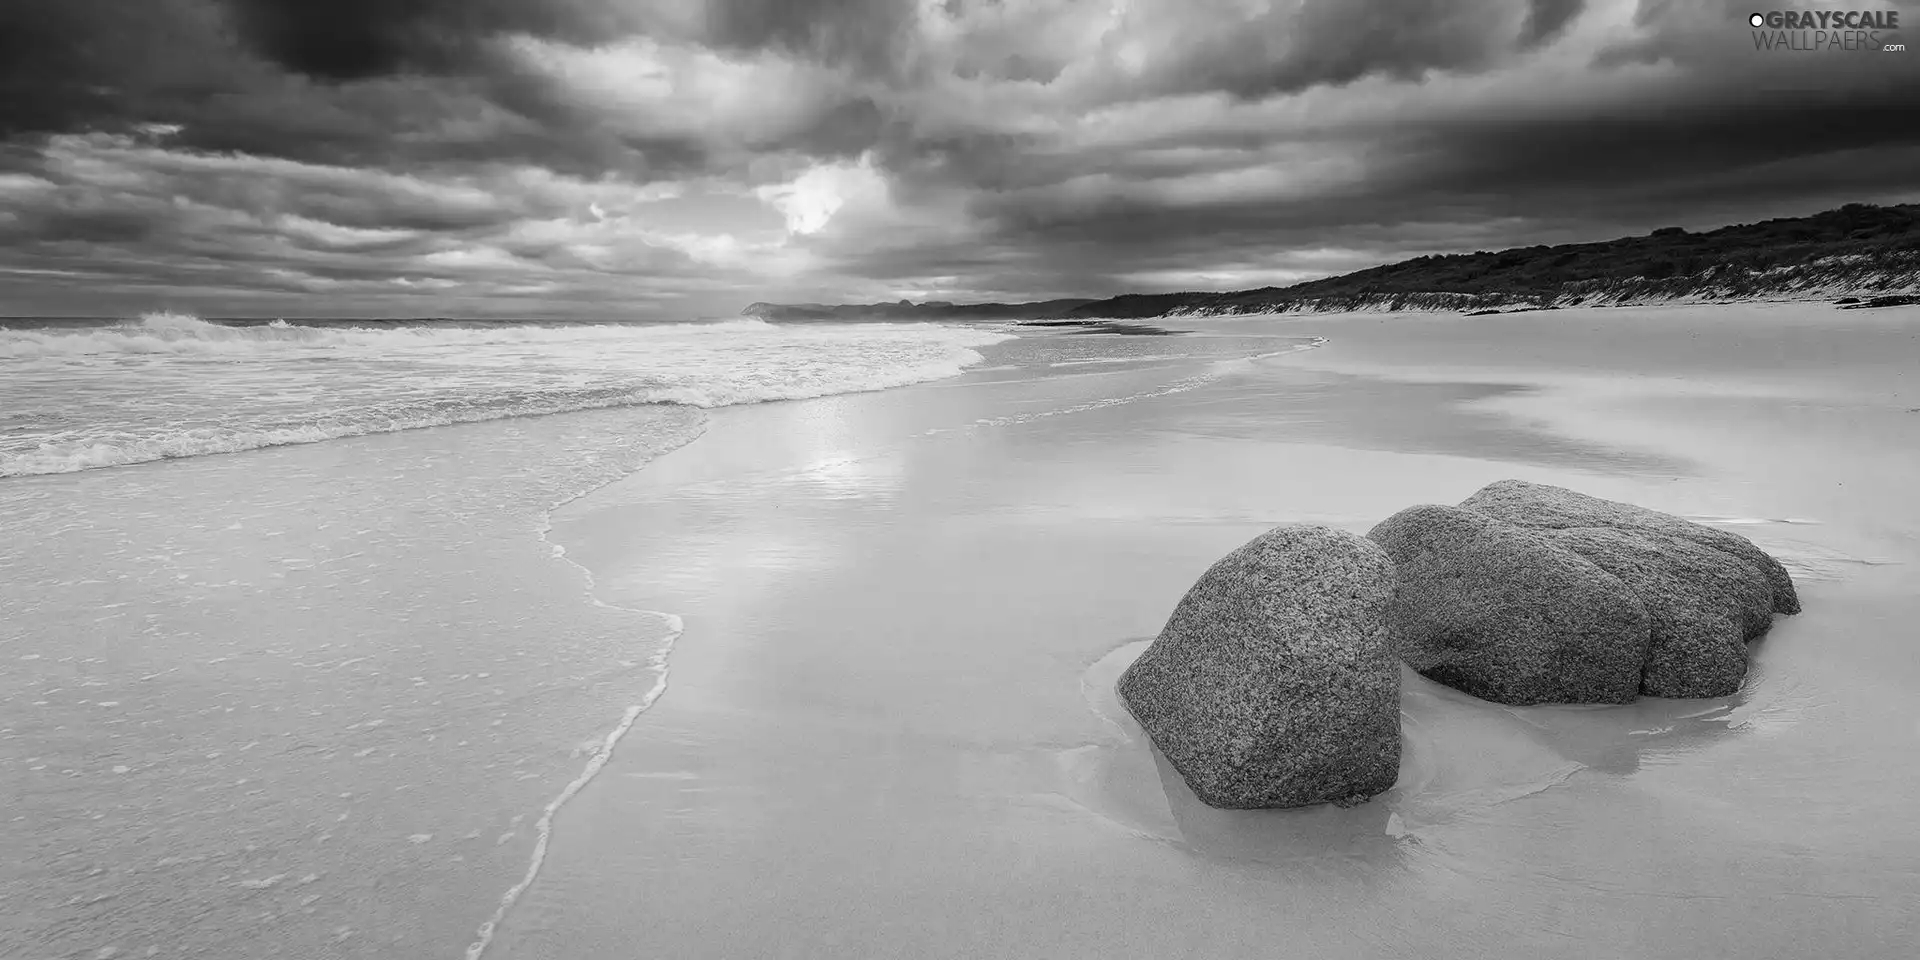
[[317, 684], [79, 394]]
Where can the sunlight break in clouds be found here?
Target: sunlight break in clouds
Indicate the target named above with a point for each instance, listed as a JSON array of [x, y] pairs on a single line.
[[810, 200]]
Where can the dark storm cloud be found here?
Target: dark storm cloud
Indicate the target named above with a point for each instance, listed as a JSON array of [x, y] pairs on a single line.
[[357, 39], [845, 130], [1664, 156], [1677, 121], [1767, 129], [69, 64], [387, 83], [390, 81], [863, 32], [1618, 164], [1204, 44], [1038, 147], [1547, 19], [1334, 42]]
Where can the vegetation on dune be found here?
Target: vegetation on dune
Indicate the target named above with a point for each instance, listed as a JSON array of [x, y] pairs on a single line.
[[1858, 248]]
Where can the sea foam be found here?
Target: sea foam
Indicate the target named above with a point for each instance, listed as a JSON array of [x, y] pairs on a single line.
[[171, 385], [177, 333]]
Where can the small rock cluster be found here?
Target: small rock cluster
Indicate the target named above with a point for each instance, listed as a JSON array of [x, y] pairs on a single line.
[[1276, 681]]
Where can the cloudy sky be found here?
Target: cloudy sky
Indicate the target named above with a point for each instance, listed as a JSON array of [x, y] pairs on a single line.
[[668, 158]]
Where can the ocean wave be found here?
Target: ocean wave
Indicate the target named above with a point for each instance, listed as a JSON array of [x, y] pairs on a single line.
[[169, 386], [176, 333]]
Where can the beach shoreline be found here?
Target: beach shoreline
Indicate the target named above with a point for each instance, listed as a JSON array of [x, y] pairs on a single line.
[[893, 620], [891, 729]]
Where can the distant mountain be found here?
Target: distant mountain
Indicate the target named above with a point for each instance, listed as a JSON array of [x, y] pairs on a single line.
[[1856, 249]]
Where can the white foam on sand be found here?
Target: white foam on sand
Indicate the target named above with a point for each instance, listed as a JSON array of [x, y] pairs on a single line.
[[543, 827], [599, 752]]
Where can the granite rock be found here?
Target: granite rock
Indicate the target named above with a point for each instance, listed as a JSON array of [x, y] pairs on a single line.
[[1703, 605], [1273, 684], [1505, 614], [1543, 506]]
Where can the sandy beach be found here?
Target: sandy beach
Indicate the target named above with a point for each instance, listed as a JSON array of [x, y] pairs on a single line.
[[832, 675], [889, 727]]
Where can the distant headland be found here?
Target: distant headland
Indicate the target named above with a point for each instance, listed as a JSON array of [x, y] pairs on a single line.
[[1866, 254]]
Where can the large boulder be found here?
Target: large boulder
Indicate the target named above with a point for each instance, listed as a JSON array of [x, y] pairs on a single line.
[[1506, 614], [1703, 605], [1708, 592], [1544, 506], [1273, 684]]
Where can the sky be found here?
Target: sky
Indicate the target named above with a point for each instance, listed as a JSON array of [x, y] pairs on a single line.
[[667, 159]]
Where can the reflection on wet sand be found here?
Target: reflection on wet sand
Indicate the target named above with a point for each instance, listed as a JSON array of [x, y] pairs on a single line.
[[1461, 756]]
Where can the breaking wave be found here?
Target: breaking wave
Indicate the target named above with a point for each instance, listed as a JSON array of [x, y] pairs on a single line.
[[170, 385], [183, 334]]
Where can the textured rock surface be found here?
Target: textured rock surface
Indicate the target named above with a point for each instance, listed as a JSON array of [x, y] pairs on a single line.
[[1273, 684], [1703, 605], [1541, 505], [1505, 614]]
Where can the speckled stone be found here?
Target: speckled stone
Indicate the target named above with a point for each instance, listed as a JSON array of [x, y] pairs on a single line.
[[1704, 605], [1505, 614], [1549, 507], [1273, 684]]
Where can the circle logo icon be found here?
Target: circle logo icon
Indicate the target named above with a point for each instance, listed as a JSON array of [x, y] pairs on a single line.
[[1757, 20]]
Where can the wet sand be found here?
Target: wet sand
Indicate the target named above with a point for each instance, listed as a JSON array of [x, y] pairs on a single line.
[[306, 701], [889, 727]]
